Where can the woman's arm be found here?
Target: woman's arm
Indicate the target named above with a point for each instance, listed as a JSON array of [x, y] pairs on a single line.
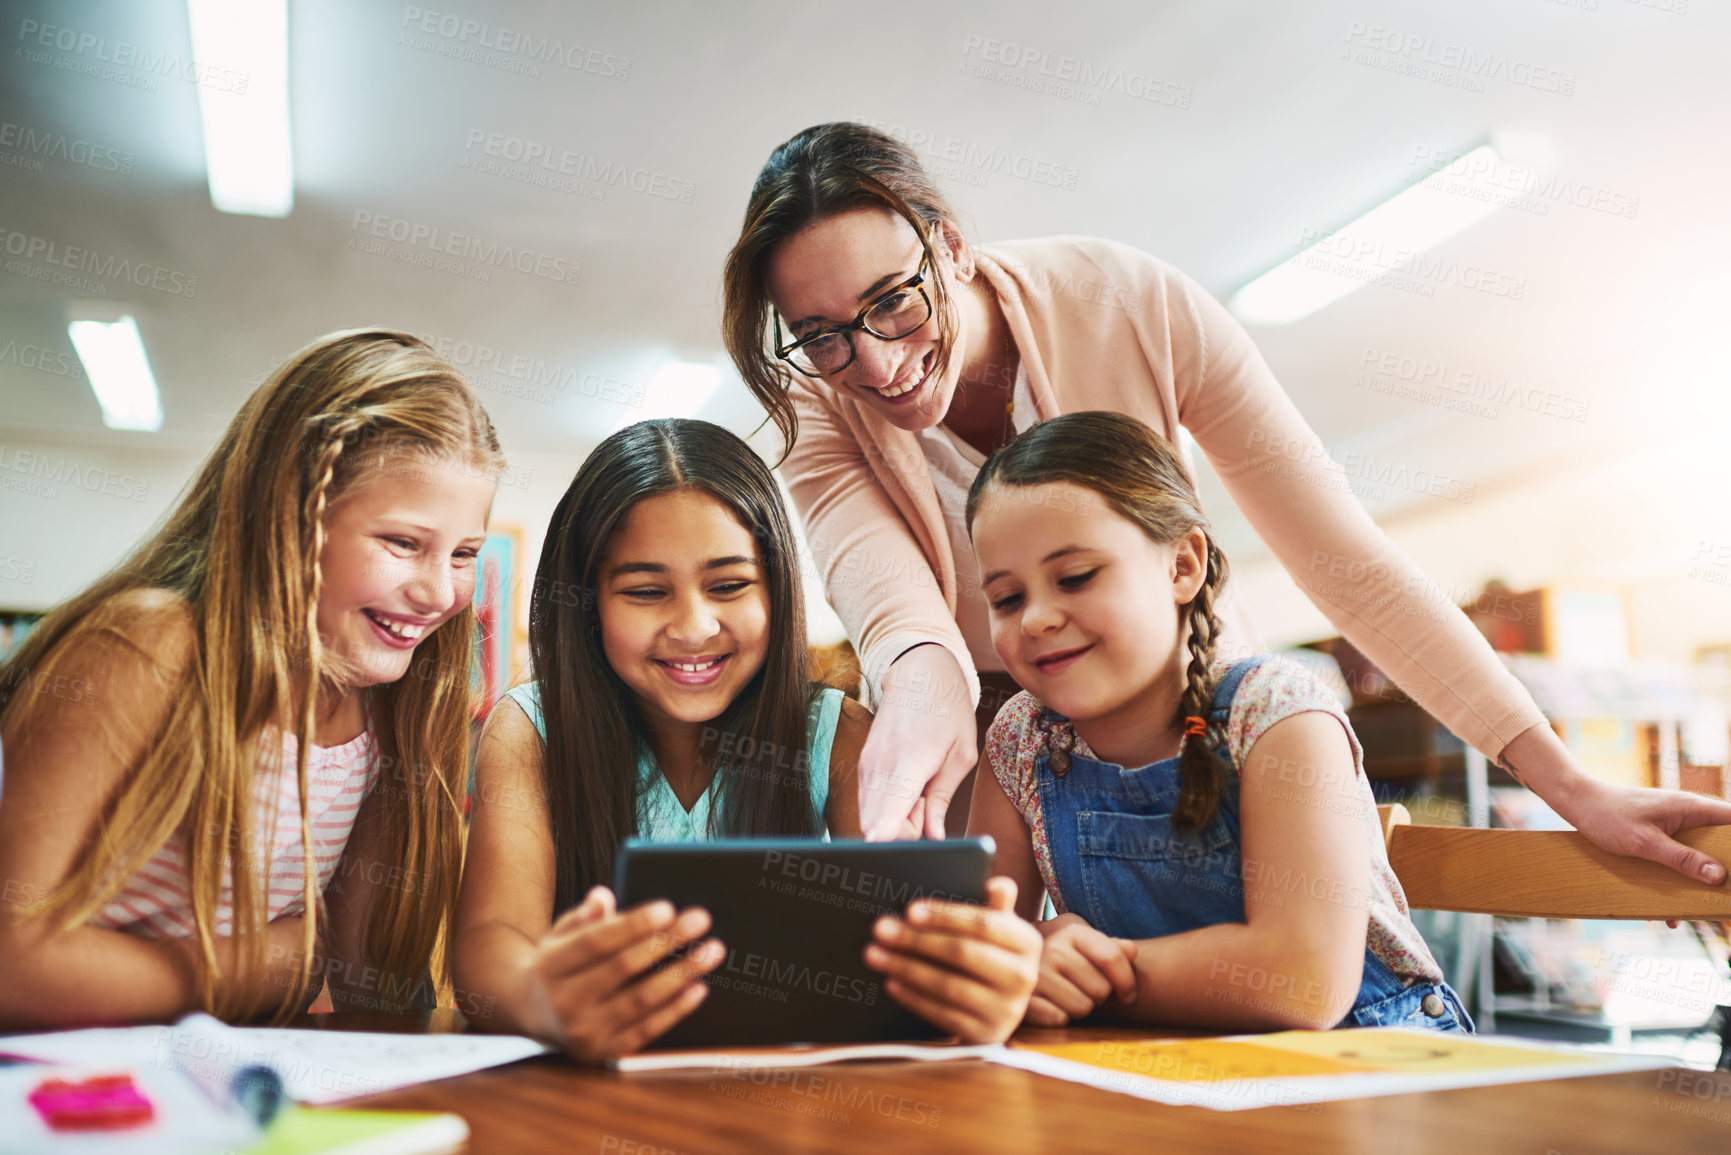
[[89, 724], [1299, 501], [577, 981], [1298, 958], [917, 669]]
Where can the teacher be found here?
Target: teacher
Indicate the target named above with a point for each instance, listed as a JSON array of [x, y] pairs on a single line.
[[895, 357]]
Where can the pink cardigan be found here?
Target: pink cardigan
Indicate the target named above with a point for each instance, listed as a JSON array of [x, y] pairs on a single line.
[[1100, 325]]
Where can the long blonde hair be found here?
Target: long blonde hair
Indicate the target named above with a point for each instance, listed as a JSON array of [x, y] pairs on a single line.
[[242, 549]]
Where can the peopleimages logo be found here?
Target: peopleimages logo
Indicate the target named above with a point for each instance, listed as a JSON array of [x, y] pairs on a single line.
[[447, 251], [23, 470], [33, 146], [545, 160], [510, 49], [67, 261], [120, 60]]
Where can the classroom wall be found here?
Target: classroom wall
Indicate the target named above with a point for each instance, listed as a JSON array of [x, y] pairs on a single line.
[[69, 511], [1595, 523]]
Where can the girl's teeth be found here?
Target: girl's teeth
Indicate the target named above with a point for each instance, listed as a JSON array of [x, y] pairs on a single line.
[[400, 629], [693, 667]]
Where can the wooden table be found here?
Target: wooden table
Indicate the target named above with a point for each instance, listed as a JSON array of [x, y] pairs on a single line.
[[553, 1105]]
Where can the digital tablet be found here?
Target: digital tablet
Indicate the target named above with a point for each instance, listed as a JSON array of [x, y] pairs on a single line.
[[795, 916]]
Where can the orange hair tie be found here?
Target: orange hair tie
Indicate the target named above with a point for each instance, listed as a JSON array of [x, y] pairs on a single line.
[[1194, 726]]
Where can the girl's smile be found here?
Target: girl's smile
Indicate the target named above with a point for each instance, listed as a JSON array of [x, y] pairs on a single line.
[[699, 671]]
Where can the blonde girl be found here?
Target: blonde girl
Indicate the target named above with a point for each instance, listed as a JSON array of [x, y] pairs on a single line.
[[256, 789]]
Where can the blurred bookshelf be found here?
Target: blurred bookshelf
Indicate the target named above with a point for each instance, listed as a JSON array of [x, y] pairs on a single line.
[[1627, 721], [15, 626]]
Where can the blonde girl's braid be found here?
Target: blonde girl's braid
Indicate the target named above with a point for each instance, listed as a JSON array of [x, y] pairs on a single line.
[[335, 436], [1200, 780]]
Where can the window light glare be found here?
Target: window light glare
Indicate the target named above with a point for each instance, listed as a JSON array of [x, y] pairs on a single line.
[[678, 389]]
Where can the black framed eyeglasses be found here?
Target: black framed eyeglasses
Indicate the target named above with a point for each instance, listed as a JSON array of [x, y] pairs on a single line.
[[896, 313]]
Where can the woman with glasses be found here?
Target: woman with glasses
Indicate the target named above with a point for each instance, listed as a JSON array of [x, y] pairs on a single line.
[[895, 357]]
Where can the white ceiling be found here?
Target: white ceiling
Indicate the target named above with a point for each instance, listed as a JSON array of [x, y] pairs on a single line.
[[1281, 131]]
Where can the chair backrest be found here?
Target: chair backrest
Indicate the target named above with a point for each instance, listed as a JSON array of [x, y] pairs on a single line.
[[1546, 873]]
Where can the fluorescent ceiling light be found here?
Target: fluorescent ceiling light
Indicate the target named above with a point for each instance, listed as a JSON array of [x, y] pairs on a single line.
[[240, 50], [1383, 242], [113, 356], [678, 389]]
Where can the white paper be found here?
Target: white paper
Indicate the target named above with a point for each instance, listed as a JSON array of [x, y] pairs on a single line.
[[316, 1066]]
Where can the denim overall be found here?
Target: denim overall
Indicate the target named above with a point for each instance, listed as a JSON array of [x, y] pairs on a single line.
[[1121, 865]]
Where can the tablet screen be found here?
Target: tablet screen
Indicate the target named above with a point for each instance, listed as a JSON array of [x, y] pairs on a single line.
[[795, 916]]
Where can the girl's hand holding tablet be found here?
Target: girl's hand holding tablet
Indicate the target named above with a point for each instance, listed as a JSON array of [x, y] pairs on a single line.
[[965, 968], [590, 982]]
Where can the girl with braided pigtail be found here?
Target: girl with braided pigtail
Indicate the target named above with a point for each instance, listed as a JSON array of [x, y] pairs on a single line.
[[234, 762], [1206, 832]]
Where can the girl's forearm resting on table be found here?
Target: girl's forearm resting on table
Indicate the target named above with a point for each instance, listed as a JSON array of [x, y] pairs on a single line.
[[89, 975], [1233, 977], [494, 984]]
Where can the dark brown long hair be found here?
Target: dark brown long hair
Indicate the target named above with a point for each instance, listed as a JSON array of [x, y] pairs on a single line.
[[241, 549], [595, 732], [825, 170], [1143, 479]]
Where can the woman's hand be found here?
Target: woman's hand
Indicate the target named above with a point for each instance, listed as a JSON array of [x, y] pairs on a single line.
[[1080, 968], [587, 980], [964, 968], [922, 745], [1637, 821]]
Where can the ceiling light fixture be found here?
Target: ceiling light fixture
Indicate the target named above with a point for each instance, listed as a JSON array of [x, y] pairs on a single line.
[[1382, 243], [240, 53], [119, 372]]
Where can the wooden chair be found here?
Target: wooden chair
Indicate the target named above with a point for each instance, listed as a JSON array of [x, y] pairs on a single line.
[[1545, 873]]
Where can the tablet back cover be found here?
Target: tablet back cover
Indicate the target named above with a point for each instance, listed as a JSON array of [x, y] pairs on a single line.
[[795, 916]]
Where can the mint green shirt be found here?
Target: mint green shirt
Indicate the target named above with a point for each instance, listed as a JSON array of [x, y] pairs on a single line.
[[661, 817]]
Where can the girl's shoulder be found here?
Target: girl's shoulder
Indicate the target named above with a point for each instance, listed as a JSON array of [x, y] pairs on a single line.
[[156, 622], [1016, 735], [1273, 689], [144, 636]]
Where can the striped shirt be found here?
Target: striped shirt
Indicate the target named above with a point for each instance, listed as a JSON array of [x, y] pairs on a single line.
[[157, 903]]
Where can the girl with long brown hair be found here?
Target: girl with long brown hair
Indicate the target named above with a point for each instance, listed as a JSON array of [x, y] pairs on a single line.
[[1205, 828], [233, 763], [672, 702], [895, 356]]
